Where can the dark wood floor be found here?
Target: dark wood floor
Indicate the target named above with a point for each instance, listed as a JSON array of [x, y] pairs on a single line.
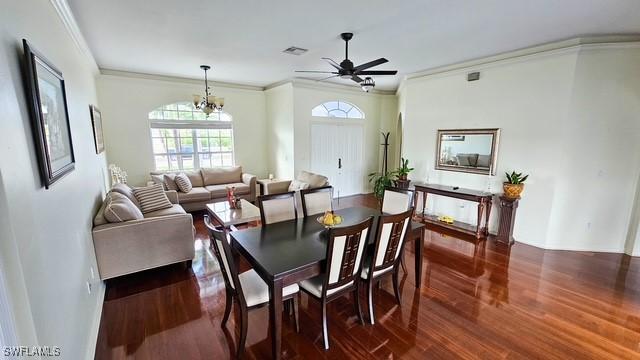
[[476, 301]]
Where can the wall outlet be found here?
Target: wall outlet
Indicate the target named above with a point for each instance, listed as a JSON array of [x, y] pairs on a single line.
[[88, 287]]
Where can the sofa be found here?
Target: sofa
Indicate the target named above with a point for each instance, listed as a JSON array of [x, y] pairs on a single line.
[[304, 180], [209, 185], [155, 239]]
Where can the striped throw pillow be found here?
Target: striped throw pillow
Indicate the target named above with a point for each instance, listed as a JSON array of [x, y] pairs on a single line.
[[183, 182], [152, 198]]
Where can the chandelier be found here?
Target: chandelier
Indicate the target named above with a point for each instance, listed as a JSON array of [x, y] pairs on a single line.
[[367, 84], [207, 103]]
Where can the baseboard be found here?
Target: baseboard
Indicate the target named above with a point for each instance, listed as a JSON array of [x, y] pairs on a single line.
[[576, 248], [95, 324]]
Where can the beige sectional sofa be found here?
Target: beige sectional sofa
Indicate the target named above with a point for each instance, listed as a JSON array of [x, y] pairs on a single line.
[[161, 238], [210, 185], [304, 180]]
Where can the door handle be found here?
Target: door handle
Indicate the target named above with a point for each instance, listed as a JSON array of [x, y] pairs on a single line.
[[339, 163]]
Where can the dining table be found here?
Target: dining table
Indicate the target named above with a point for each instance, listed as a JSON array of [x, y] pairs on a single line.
[[288, 252]]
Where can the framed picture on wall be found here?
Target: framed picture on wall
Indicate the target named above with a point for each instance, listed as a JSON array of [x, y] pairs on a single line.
[[50, 116], [96, 122]]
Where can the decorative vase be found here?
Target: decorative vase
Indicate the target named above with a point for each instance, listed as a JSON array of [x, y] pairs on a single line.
[[512, 191]]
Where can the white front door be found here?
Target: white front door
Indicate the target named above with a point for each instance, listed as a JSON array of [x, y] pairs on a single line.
[[336, 152]]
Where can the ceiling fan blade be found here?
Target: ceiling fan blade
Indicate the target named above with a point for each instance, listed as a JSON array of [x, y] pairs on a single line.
[[328, 77], [378, 72], [357, 78], [370, 64], [332, 63], [316, 72]]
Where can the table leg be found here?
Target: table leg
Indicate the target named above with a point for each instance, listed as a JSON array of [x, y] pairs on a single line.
[[479, 222], [275, 317], [424, 203], [419, 244], [487, 216]]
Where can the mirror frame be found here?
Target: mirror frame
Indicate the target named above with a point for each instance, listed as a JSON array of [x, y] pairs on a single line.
[[457, 168]]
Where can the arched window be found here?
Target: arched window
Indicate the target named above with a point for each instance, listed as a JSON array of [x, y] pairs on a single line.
[[185, 138], [339, 109]]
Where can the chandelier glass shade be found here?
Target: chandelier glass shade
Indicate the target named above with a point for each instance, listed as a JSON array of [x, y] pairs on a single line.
[[207, 103], [367, 84]]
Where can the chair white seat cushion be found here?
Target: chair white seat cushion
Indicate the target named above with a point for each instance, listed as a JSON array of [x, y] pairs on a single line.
[[314, 286], [256, 290], [367, 265]]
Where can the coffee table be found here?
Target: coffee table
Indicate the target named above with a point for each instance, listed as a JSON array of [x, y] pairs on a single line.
[[223, 215]]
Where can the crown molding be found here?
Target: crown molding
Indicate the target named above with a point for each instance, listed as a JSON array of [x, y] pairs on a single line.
[[177, 79], [314, 84], [69, 21], [552, 48]]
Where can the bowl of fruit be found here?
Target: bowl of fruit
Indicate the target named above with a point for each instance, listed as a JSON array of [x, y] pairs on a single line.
[[329, 219]]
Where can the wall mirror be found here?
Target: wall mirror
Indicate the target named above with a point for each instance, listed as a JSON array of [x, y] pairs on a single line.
[[468, 150]]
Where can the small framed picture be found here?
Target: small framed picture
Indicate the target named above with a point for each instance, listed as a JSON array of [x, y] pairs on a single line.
[[50, 116], [96, 122]]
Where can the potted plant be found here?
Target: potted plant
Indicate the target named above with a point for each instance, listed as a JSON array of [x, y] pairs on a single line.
[[514, 185], [380, 182], [402, 172]]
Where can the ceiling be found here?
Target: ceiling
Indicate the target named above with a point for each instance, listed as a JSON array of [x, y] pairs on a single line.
[[243, 40]]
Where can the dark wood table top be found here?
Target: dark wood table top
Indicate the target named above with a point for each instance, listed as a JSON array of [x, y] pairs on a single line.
[[451, 190], [288, 246]]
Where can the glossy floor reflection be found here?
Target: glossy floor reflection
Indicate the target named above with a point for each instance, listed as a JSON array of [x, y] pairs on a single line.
[[477, 300]]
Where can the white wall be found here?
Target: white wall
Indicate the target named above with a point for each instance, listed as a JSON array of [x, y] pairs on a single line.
[[279, 105], [569, 117], [46, 246], [126, 100]]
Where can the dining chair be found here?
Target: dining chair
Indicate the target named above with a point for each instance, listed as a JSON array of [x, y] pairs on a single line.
[[317, 200], [345, 250], [390, 237], [247, 289], [396, 200], [277, 207]]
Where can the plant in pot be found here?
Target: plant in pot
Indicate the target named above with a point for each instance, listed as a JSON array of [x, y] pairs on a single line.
[[514, 185], [402, 172], [380, 181]]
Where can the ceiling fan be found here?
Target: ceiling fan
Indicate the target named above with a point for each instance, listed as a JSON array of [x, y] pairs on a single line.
[[346, 70]]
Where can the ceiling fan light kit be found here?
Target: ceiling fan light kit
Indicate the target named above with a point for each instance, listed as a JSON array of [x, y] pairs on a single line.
[[207, 103], [346, 70]]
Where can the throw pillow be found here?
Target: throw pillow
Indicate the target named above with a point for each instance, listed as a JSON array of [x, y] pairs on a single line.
[[170, 182], [298, 185], [119, 208], [158, 179], [152, 198], [183, 182], [127, 191]]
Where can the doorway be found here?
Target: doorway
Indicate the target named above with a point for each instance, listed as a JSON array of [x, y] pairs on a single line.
[[337, 153]]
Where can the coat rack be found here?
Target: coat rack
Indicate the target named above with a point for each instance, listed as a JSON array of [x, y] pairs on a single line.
[[385, 152]]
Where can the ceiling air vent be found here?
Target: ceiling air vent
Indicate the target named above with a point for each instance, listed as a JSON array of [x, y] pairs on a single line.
[[294, 50]]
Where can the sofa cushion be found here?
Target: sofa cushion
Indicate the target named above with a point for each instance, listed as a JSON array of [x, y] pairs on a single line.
[[152, 198], [314, 180], [119, 208], [220, 191], [196, 194], [298, 185], [127, 191], [222, 175], [183, 183], [195, 176], [174, 210], [170, 181], [100, 219], [158, 179]]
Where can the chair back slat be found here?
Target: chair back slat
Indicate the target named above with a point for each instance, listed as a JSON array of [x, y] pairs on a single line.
[[396, 201], [391, 234], [277, 207], [222, 251], [344, 255], [317, 200]]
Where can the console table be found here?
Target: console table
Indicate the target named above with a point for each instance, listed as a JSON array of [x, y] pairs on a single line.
[[484, 200]]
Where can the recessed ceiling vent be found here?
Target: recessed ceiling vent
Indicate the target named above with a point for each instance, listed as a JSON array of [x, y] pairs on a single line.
[[294, 50]]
